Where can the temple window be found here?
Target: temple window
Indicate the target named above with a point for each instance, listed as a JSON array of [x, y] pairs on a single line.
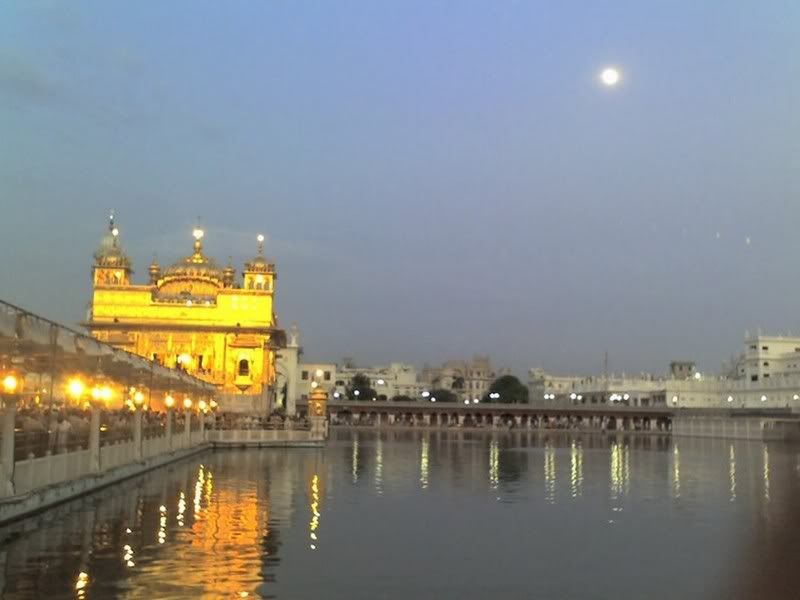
[[244, 368]]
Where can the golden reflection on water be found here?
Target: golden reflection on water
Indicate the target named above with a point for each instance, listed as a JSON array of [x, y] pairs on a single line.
[[620, 467], [732, 471], [423, 463], [576, 469], [313, 525], [550, 473], [162, 524], [765, 459], [494, 464], [198, 490], [80, 584], [181, 508]]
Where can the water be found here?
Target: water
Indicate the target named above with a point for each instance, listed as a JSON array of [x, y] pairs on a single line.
[[441, 514]]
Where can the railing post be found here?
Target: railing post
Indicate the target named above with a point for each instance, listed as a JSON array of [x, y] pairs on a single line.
[[137, 434], [94, 440], [168, 428], [7, 450]]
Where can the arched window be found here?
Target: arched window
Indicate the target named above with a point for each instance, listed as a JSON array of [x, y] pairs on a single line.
[[244, 368]]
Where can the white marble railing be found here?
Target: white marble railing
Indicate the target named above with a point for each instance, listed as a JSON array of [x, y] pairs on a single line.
[[262, 436]]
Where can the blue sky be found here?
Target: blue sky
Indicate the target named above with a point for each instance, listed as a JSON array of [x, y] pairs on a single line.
[[434, 179]]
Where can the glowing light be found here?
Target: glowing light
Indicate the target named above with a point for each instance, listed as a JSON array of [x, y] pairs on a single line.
[[75, 388], [138, 397], [764, 398], [380, 382], [698, 376], [260, 238], [83, 581], [10, 383], [202, 405], [425, 394], [610, 76], [187, 403], [318, 373], [185, 359], [198, 233], [169, 401], [314, 384], [730, 398]]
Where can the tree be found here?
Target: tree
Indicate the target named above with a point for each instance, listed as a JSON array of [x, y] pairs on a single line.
[[360, 384], [511, 391], [402, 398], [443, 395]]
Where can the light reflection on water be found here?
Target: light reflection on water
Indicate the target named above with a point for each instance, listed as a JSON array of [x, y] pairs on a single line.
[[576, 513]]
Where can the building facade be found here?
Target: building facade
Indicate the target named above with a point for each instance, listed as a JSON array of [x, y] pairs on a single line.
[[465, 378], [767, 375], [193, 315]]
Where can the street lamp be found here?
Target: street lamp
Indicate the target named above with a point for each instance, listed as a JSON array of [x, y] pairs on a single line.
[[75, 388], [10, 383], [187, 403], [169, 401]]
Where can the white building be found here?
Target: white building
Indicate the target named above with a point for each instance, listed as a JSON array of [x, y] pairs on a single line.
[[766, 357], [395, 379], [465, 378], [768, 376]]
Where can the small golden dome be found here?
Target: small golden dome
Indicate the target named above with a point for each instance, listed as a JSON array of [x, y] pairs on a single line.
[[110, 254], [258, 263]]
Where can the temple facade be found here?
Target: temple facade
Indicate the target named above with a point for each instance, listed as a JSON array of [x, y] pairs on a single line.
[[195, 316]]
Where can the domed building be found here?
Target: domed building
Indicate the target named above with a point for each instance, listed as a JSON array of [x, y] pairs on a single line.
[[193, 315]]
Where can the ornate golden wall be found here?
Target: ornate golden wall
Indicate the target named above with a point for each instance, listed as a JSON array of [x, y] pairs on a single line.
[[193, 316]]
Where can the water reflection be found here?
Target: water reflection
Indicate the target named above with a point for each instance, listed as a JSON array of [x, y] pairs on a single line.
[[550, 472], [576, 469], [355, 458], [175, 534], [765, 460], [494, 464], [423, 462], [313, 525], [732, 471], [620, 476], [676, 472]]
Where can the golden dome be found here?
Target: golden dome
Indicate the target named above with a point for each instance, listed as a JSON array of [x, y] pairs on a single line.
[[194, 276], [110, 254]]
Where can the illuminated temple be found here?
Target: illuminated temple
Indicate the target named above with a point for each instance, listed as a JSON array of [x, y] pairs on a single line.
[[195, 316]]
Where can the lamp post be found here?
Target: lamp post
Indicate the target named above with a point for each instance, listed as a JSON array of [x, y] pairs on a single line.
[[101, 394], [187, 424], [169, 403], [10, 387]]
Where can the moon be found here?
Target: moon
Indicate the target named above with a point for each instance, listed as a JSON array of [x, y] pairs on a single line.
[[610, 76]]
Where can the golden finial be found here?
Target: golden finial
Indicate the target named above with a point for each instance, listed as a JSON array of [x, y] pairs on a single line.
[[197, 234], [112, 228], [260, 239]]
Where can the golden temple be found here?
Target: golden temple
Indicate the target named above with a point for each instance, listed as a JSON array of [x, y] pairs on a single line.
[[194, 316]]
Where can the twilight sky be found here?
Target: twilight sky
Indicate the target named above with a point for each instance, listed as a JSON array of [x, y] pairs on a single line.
[[435, 179]]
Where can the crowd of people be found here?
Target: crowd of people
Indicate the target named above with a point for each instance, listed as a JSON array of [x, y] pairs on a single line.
[[40, 430]]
